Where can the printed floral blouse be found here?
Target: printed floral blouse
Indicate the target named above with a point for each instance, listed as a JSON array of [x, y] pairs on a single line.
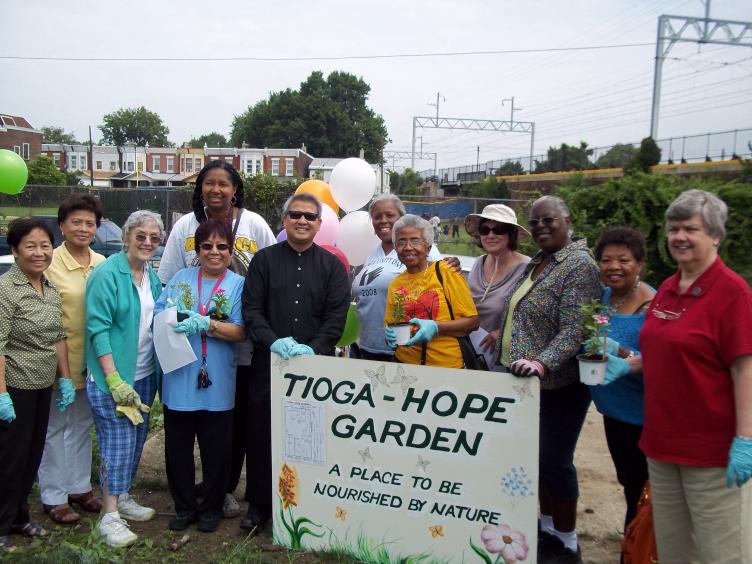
[[546, 324]]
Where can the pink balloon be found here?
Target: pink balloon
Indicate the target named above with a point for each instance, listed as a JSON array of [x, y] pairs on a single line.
[[339, 254], [329, 231], [282, 236]]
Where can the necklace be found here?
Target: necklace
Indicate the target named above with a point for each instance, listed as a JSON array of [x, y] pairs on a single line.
[[616, 306]]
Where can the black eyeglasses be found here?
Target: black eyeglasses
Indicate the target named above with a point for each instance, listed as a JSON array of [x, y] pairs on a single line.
[[496, 229], [141, 238], [547, 221], [298, 214], [222, 247]]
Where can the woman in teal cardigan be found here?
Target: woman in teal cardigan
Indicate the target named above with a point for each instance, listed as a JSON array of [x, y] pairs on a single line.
[[123, 370]]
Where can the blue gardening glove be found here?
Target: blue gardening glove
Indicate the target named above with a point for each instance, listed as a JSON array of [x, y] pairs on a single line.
[[300, 349], [122, 392], [282, 346], [390, 337], [195, 324], [427, 330], [616, 367], [612, 347], [7, 413], [67, 393], [739, 467]]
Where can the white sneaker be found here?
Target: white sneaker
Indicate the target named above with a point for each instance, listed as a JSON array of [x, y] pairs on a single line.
[[128, 508], [231, 507], [115, 531]]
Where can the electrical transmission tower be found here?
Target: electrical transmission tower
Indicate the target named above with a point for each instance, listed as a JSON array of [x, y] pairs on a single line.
[[672, 29], [425, 156], [437, 122]]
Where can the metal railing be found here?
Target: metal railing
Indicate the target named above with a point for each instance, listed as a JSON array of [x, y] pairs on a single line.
[[717, 145]]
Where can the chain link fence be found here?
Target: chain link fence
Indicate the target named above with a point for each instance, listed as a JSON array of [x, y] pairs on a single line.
[[118, 204]]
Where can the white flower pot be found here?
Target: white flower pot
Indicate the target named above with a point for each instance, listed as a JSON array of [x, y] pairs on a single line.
[[403, 332], [592, 370]]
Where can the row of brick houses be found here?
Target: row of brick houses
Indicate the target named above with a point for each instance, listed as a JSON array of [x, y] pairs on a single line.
[[130, 166]]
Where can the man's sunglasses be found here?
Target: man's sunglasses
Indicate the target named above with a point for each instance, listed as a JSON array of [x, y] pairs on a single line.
[[298, 214], [496, 229], [221, 247]]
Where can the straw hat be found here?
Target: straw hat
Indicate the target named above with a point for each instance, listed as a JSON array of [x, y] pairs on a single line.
[[495, 212]]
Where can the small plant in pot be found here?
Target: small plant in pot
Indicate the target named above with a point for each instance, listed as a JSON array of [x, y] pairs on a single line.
[[399, 315], [593, 361]]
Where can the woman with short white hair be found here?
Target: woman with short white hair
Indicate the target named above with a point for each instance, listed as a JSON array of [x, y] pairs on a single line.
[[696, 346], [123, 371], [431, 296]]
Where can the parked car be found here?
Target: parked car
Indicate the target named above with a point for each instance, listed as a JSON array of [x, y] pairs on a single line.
[[6, 261], [466, 262], [107, 241]]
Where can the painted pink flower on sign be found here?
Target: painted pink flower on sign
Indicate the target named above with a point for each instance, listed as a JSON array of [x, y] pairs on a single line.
[[503, 539]]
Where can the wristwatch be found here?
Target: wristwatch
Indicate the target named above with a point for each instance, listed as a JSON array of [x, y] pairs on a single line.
[[631, 354], [213, 326]]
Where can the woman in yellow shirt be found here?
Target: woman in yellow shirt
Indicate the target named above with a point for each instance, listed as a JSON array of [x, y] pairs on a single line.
[[65, 472], [418, 296]]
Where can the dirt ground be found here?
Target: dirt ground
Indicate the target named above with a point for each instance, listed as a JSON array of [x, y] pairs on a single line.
[[601, 512]]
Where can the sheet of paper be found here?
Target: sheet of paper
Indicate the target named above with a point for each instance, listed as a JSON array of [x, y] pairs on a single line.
[[173, 349], [475, 338], [305, 432]]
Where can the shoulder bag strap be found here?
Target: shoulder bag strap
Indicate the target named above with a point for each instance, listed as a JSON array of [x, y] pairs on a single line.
[[237, 223]]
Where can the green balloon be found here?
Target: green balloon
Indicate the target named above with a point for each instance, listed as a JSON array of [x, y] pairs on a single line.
[[352, 328], [13, 172]]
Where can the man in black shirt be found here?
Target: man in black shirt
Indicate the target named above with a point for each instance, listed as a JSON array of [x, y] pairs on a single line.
[[295, 302]]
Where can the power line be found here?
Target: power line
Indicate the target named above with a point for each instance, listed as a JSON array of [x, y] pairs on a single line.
[[324, 58]]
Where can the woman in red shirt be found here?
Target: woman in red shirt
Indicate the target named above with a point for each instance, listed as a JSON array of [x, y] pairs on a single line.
[[696, 346]]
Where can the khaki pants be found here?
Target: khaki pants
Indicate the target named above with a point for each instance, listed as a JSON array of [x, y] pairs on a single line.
[[697, 518]]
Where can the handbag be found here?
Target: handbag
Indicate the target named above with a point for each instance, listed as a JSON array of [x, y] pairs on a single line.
[[638, 545], [470, 357]]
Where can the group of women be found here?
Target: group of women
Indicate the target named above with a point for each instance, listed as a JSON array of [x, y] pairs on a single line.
[[676, 403], [72, 318], [677, 397]]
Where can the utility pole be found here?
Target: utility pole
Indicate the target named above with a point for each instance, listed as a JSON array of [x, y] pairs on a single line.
[[511, 115], [672, 29], [438, 95], [477, 158], [91, 161]]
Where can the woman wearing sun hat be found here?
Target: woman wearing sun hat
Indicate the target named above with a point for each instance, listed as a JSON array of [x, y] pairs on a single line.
[[494, 274]]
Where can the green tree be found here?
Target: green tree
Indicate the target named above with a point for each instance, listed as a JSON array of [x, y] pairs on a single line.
[[566, 157], [648, 155], [43, 171], [490, 187], [330, 116], [510, 168], [407, 183], [617, 156], [212, 139], [52, 134], [134, 125]]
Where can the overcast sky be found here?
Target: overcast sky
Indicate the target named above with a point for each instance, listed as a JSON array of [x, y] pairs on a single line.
[[600, 96]]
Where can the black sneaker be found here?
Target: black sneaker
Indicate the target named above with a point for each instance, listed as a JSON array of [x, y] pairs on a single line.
[[552, 551], [182, 521], [208, 522]]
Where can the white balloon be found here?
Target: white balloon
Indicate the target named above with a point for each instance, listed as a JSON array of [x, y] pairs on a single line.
[[329, 230], [356, 236], [353, 183]]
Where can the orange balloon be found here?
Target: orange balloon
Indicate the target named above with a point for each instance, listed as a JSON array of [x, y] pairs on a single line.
[[321, 191]]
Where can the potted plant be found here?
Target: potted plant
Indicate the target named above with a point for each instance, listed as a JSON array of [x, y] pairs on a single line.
[[399, 316], [593, 360]]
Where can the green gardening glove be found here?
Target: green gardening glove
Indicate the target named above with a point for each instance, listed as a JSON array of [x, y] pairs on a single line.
[[122, 392], [132, 413]]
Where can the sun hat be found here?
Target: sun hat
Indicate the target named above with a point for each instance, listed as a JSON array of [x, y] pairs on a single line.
[[495, 212]]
